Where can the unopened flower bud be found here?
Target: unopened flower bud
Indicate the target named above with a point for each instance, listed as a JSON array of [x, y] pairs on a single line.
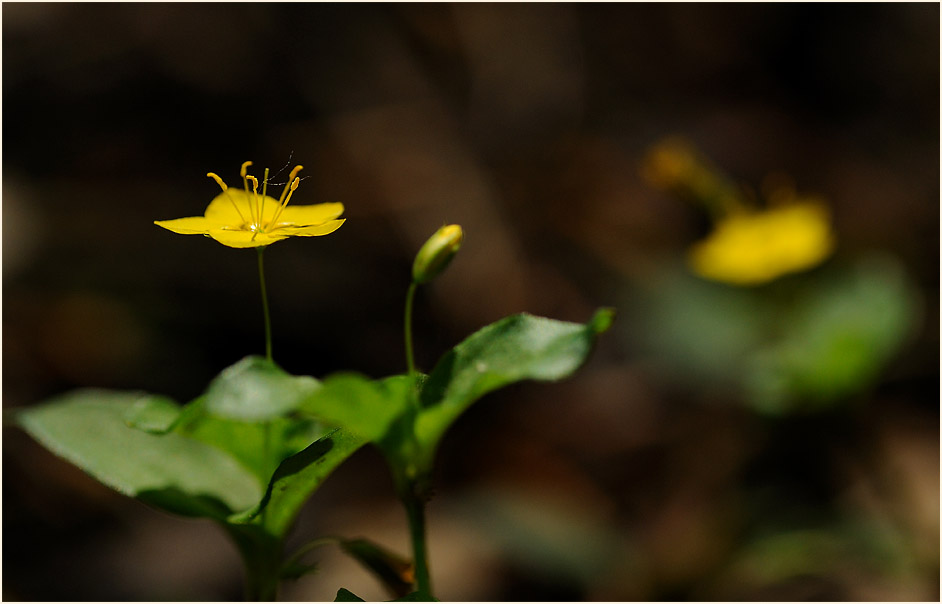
[[436, 253]]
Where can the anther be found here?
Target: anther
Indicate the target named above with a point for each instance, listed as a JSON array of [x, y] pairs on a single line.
[[244, 169], [289, 190], [225, 189], [291, 178], [218, 180]]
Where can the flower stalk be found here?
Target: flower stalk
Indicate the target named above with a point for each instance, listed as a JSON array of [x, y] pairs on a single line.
[[410, 358], [432, 259], [265, 312]]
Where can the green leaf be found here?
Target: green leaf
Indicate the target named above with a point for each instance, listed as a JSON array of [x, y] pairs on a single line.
[[516, 348], [259, 446], [296, 478], [160, 415], [345, 595], [153, 414], [837, 338], [89, 428], [255, 389], [364, 406]]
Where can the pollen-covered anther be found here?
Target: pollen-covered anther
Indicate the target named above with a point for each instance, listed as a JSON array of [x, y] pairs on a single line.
[[245, 168], [219, 181]]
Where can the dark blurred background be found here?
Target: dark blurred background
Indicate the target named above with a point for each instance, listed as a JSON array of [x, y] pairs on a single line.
[[642, 477]]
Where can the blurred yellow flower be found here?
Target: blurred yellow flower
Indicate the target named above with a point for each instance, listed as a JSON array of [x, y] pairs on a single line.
[[250, 218], [754, 247]]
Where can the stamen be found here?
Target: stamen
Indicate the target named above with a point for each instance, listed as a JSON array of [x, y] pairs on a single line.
[[258, 222], [290, 189], [225, 189], [245, 184], [218, 180], [291, 177], [258, 219]]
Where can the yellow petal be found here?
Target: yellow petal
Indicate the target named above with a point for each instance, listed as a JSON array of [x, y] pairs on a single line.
[[244, 239], [312, 230], [755, 248], [193, 225], [321, 213], [233, 209]]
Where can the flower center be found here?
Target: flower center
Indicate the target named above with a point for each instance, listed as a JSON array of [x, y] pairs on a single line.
[[255, 221]]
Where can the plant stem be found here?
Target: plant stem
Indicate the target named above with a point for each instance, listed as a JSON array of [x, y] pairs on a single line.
[[261, 555], [415, 509], [410, 295], [408, 486], [261, 278]]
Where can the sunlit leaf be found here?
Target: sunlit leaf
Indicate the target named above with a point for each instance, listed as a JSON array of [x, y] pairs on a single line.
[[520, 347], [364, 406], [255, 389], [89, 428], [259, 446]]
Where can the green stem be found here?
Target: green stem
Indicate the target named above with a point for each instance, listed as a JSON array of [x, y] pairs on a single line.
[[261, 278], [410, 296], [415, 509], [408, 483], [261, 555]]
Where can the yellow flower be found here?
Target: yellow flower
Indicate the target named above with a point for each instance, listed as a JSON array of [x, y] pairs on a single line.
[[250, 218], [754, 247]]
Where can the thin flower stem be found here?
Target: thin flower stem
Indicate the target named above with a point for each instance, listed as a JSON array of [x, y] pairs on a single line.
[[410, 360], [408, 490], [261, 278]]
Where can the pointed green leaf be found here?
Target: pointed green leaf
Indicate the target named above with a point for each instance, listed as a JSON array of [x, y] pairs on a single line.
[[89, 428], [516, 348], [255, 389]]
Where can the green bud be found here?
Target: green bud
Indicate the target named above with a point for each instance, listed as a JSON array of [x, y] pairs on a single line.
[[436, 253]]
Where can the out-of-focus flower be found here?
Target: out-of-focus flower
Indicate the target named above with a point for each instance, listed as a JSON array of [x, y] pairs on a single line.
[[754, 247], [748, 245], [675, 165], [249, 218]]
